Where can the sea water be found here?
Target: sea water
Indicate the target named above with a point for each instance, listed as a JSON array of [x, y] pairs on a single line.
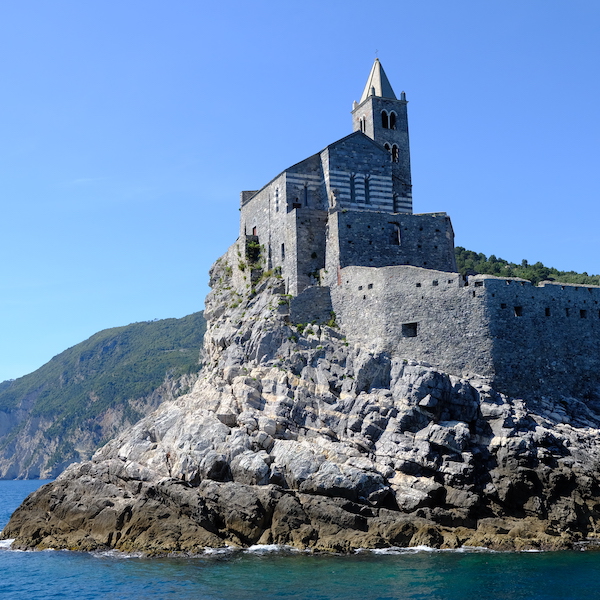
[[264, 573]]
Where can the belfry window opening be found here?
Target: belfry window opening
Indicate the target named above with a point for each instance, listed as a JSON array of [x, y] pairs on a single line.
[[395, 153], [392, 120], [385, 120]]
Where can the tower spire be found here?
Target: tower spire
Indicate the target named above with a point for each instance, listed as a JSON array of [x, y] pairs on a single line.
[[378, 84]]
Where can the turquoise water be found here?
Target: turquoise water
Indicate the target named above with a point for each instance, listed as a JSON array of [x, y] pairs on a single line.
[[268, 575]]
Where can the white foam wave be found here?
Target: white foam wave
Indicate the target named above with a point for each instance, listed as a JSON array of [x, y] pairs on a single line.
[[415, 549], [265, 548], [217, 551], [5, 544], [116, 554]]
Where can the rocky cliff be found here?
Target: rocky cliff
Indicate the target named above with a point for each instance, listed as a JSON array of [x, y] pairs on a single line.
[[293, 436]]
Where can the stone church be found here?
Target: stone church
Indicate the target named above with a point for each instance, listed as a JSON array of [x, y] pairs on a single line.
[[339, 228]]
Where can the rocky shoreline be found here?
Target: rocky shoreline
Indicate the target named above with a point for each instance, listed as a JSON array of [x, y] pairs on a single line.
[[293, 436]]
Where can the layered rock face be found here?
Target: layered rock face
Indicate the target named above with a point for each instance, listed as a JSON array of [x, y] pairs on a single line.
[[293, 436]]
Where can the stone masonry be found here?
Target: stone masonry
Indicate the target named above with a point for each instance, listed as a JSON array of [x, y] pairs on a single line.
[[339, 227]]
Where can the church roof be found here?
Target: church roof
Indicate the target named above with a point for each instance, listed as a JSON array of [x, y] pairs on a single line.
[[379, 82]]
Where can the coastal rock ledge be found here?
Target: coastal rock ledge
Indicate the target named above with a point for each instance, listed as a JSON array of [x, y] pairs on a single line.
[[295, 435]]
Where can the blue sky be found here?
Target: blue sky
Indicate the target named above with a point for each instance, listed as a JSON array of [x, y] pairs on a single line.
[[129, 128]]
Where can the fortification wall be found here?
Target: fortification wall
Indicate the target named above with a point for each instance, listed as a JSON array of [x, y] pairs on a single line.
[[416, 313], [529, 341], [546, 338], [312, 304]]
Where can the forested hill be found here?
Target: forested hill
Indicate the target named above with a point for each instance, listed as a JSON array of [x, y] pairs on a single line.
[[86, 394], [469, 262]]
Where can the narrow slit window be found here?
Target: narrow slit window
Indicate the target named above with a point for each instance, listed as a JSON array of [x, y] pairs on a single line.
[[394, 230], [367, 191], [282, 251], [547, 311], [352, 188]]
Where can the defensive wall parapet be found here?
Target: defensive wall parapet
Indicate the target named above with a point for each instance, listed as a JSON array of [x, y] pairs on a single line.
[[527, 340], [546, 338]]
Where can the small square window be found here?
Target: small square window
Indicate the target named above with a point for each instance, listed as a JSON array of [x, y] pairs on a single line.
[[547, 312], [518, 311], [434, 282], [583, 313], [370, 286], [409, 329]]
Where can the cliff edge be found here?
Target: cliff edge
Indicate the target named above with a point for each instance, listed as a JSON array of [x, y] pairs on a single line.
[[292, 435]]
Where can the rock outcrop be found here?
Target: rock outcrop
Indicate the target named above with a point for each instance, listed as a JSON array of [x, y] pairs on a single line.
[[293, 436]]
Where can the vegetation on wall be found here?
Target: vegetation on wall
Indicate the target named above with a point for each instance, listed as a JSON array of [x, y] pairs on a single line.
[[469, 263]]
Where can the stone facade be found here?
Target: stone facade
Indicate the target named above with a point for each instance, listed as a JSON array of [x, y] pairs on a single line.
[[339, 227]]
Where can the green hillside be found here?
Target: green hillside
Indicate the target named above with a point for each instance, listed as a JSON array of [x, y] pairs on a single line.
[[469, 262], [110, 369]]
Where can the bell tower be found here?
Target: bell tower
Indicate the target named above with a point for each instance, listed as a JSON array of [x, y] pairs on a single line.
[[382, 117]]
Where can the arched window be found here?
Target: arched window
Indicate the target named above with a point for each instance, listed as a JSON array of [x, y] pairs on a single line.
[[395, 153], [392, 120], [385, 122], [352, 188], [367, 191], [387, 147]]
